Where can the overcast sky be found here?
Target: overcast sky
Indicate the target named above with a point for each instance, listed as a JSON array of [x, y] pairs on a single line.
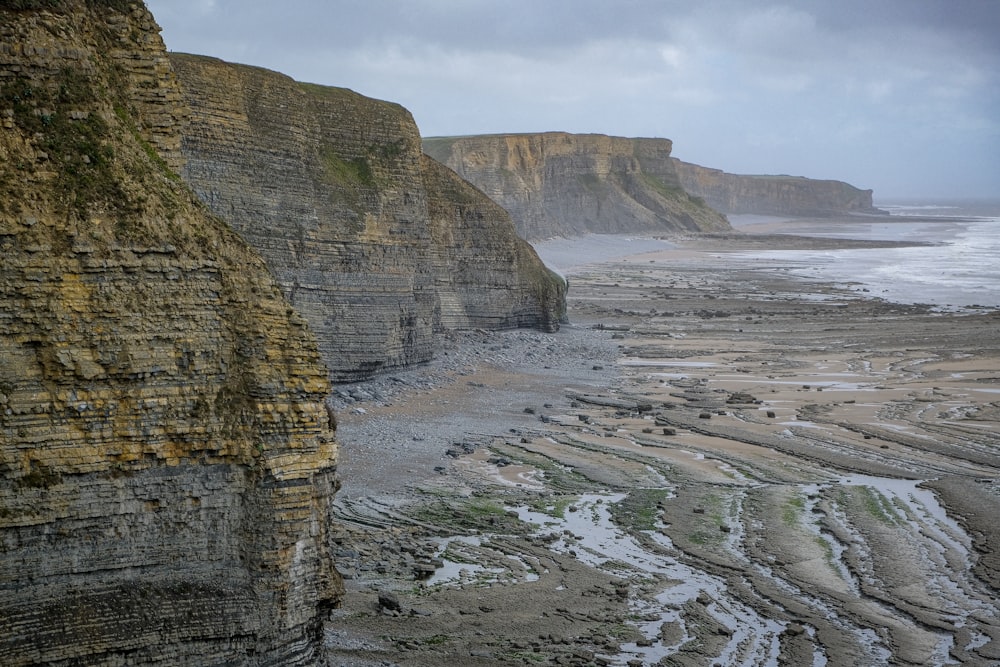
[[901, 96]]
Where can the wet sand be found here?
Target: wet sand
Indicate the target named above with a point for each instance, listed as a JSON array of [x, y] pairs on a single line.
[[714, 463]]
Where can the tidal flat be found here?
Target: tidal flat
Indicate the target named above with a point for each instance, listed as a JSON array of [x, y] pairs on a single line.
[[715, 462]]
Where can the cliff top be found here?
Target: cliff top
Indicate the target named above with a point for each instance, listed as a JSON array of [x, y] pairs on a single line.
[[564, 184]]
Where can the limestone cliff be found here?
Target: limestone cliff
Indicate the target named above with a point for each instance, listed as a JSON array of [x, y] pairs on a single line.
[[375, 245], [166, 458], [559, 184], [773, 195], [486, 280]]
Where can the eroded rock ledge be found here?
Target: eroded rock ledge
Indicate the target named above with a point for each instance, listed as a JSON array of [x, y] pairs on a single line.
[[379, 247], [166, 459], [561, 184]]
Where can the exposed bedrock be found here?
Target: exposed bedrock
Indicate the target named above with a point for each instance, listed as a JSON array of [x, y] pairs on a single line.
[[561, 184], [373, 243], [773, 195], [166, 459]]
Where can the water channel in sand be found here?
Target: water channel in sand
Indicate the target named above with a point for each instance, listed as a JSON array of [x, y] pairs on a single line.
[[817, 468], [590, 535]]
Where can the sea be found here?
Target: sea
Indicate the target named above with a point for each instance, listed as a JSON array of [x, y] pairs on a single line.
[[958, 268]]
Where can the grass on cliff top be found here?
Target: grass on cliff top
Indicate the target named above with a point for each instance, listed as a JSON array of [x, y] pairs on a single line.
[[357, 105]]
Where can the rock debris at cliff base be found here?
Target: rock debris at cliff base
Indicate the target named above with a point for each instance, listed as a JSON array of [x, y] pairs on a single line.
[[713, 464]]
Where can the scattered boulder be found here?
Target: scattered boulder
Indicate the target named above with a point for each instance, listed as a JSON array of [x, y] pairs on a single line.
[[388, 601], [794, 629], [742, 398]]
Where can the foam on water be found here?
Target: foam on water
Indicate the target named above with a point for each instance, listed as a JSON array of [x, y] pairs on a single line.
[[962, 268]]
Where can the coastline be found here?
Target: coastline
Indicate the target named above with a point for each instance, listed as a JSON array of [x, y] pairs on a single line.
[[749, 431]]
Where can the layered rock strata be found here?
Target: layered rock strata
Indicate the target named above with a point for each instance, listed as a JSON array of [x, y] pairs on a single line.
[[560, 184], [485, 280], [166, 459], [773, 195], [372, 242]]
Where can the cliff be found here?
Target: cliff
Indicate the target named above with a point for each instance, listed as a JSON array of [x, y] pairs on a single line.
[[374, 244], [166, 458], [773, 195], [559, 184]]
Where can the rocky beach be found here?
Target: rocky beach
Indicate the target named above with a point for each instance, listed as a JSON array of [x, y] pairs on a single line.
[[715, 462], [284, 380]]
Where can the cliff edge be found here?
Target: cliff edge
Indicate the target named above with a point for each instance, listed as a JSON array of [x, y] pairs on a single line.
[[377, 247], [166, 459], [560, 184], [773, 195]]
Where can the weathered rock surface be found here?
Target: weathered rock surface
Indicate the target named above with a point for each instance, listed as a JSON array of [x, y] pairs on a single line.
[[376, 245], [560, 184], [772, 195], [166, 459]]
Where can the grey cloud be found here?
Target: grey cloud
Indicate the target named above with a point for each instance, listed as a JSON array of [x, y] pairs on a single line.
[[855, 90]]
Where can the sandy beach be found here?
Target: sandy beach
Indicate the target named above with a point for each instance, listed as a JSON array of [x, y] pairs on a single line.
[[715, 462]]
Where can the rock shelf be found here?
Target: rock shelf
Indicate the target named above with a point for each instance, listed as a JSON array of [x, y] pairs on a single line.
[[796, 475]]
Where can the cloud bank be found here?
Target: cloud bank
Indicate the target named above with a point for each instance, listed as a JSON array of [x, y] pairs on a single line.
[[900, 95]]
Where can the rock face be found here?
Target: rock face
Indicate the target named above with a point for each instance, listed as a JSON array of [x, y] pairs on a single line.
[[485, 279], [773, 195], [166, 458], [559, 184], [376, 245]]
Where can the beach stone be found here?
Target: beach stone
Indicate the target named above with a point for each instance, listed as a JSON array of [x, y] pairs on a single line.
[[741, 397], [794, 629], [389, 601]]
